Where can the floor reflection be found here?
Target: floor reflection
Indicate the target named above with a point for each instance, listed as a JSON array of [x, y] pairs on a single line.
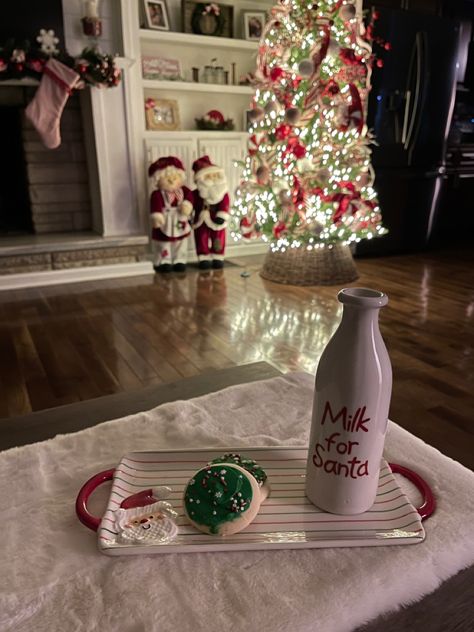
[[289, 333]]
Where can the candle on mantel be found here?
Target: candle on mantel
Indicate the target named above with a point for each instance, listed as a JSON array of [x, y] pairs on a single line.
[[91, 23], [91, 9]]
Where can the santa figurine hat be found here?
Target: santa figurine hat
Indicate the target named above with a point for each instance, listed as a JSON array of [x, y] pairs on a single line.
[[163, 163], [202, 166]]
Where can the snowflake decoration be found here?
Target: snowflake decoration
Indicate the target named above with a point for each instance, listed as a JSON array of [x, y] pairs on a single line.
[[48, 41]]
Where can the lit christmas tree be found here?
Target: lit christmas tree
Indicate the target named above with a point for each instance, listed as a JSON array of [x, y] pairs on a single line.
[[307, 179]]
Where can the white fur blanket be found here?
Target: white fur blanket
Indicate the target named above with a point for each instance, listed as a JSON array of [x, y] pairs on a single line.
[[53, 578]]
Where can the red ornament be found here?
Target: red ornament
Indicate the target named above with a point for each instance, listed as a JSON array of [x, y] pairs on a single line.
[[299, 150], [379, 63], [282, 132], [375, 15], [82, 69], [3, 65], [276, 73], [387, 46]]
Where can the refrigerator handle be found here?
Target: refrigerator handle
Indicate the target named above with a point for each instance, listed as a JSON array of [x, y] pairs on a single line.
[[422, 81], [406, 116], [415, 62]]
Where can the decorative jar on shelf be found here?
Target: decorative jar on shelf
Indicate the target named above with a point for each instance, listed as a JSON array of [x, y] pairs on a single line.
[[219, 75], [350, 409], [208, 74]]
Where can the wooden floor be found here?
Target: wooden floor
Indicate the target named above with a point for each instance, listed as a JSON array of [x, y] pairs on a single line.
[[67, 343]]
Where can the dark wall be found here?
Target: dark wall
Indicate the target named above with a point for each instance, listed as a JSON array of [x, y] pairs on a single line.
[[23, 19]]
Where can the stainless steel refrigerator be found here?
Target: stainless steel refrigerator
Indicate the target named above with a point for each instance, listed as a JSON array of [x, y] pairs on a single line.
[[410, 110]]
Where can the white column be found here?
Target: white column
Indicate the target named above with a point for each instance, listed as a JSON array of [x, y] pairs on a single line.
[[115, 204]]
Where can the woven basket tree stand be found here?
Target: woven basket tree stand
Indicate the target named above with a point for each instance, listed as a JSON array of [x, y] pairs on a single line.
[[320, 266]]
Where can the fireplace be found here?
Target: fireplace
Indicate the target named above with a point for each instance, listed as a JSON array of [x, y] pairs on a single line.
[[78, 211], [15, 207], [41, 190]]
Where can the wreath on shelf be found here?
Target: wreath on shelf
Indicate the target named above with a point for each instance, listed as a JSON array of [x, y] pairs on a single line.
[[22, 60], [207, 19], [214, 120]]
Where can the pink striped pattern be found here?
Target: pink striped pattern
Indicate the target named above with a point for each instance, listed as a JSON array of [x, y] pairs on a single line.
[[287, 519]]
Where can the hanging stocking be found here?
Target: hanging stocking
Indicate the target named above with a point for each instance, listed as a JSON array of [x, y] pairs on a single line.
[[46, 108]]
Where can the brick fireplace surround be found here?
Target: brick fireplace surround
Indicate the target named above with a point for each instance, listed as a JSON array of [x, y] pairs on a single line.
[[58, 179]]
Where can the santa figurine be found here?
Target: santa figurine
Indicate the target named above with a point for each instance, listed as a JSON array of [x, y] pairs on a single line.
[[211, 213], [171, 205]]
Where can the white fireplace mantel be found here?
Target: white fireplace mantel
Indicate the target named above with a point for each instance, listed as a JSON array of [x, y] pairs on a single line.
[[111, 163], [108, 128]]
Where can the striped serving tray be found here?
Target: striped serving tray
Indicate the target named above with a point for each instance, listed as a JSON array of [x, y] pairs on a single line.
[[286, 520]]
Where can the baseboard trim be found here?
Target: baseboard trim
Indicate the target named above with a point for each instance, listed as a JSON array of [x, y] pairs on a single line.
[[93, 273], [74, 275]]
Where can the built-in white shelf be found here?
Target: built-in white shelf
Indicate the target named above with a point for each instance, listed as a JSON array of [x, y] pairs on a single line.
[[190, 39], [189, 86]]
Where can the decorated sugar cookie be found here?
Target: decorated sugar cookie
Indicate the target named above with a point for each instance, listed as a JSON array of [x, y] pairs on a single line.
[[248, 464], [223, 498]]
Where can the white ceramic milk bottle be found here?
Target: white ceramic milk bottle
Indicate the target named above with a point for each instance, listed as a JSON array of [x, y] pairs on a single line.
[[350, 409]]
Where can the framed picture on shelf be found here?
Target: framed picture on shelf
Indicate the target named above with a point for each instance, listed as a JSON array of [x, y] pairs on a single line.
[[254, 23], [156, 14], [162, 114], [208, 18], [161, 68], [246, 120]]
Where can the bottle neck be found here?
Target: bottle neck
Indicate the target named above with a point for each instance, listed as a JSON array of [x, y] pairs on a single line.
[[360, 318]]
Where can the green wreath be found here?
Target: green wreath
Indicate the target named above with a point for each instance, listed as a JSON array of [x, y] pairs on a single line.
[[199, 11]]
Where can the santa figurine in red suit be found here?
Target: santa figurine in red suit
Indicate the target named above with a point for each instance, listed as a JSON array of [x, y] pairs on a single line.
[[171, 205], [211, 213]]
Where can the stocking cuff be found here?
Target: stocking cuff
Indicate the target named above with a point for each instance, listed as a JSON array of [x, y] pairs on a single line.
[[63, 75]]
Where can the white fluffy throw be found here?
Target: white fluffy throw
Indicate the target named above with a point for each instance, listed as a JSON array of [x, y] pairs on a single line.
[[53, 578]]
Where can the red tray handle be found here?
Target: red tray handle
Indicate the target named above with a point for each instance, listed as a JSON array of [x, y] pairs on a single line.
[[86, 490], [429, 503]]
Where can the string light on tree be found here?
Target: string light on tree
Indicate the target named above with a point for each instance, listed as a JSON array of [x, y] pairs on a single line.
[[307, 179]]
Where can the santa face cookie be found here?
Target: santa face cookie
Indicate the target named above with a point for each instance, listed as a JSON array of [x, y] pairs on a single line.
[[223, 498], [146, 525]]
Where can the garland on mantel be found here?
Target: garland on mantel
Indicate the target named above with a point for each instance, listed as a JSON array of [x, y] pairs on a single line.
[[20, 61]]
